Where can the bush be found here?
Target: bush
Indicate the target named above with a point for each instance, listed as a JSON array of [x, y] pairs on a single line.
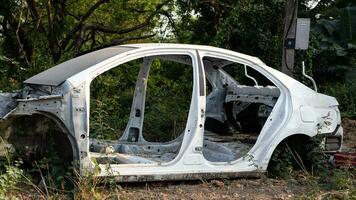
[[298, 153], [11, 175], [345, 93]]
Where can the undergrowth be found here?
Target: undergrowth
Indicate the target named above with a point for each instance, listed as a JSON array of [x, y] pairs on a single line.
[[10, 176], [312, 168]]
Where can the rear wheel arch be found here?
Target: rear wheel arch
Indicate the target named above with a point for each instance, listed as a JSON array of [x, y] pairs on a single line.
[[298, 144]]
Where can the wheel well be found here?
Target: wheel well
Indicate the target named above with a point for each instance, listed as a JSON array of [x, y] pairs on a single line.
[[296, 139], [34, 137], [290, 152]]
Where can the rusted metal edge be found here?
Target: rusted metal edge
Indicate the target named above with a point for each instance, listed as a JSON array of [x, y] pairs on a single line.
[[187, 176], [45, 97], [345, 159]]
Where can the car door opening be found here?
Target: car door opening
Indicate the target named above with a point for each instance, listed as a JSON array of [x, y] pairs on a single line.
[[152, 130], [237, 107]]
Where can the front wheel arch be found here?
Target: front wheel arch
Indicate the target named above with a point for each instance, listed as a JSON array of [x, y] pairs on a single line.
[[39, 132]]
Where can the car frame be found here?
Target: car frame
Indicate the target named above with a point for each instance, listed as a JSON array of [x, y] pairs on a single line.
[[62, 93]]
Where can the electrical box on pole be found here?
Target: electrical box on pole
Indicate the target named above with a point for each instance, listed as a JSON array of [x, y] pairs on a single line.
[[302, 34]]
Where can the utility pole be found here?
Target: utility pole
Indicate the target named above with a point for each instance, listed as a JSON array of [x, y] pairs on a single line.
[[290, 20]]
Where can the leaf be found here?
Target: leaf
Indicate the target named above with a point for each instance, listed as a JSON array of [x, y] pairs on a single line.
[[318, 29], [324, 45], [351, 46], [339, 50], [329, 25]]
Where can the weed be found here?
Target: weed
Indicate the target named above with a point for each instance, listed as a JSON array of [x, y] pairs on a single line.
[[9, 179], [338, 179]]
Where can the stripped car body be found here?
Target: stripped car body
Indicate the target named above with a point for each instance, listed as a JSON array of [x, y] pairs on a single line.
[[288, 108]]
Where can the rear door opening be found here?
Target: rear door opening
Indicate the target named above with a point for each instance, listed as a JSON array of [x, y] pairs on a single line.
[[237, 107]]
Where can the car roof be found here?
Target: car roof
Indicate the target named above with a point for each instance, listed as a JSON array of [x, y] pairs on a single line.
[[58, 74], [194, 47]]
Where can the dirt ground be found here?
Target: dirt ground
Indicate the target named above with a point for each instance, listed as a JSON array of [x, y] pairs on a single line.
[[349, 126], [299, 187], [264, 188], [246, 189], [217, 189]]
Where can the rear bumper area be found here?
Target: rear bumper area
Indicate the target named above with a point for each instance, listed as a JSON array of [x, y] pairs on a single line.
[[333, 141]]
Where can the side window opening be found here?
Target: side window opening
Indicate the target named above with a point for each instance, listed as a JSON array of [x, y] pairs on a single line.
[[237, 108], [144, 121], [237, 71]]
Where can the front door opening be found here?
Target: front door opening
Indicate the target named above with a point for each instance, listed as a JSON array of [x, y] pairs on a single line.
[[143, 122]]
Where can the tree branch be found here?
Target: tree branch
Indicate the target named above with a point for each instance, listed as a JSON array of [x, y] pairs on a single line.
[[110, 30], [19, 40], [79, 25], [34, 14], [118, 42], [122, 40], [105, 29], [32, 8]]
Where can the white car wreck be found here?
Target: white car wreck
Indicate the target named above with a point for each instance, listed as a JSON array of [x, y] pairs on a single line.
[[282, 109]]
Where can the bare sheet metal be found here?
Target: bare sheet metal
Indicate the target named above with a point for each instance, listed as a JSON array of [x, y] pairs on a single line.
[[59, 73], [7, 103]]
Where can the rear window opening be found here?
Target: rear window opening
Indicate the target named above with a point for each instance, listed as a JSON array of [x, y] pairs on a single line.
[[238, 104]]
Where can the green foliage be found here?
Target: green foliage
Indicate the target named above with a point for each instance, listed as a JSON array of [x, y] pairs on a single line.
[[168, 99], [99, 116], [167, 103], [53, 169], [306, 162], [10, 175], [332, 184], [281, 163], [111, 98], [249, 26], [35, 35], [9, 179], [87, 187], [337, 34], [338, 179], [7, 81], [345, 93], [348, 24], [298, 153]]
